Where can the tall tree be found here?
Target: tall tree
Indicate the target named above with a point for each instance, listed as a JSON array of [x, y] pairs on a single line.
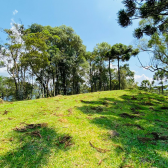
[[159, 75], [145, 84], [135, 9], [127, 77], [123, 53], [13, 52], [36, 57], [109, 56], [154, 23], [100, 51]]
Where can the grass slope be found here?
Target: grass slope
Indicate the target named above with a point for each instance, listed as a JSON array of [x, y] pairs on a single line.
[[114, 129]]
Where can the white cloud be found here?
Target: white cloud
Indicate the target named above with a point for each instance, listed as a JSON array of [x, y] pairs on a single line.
[[140, 78], [15, 12]]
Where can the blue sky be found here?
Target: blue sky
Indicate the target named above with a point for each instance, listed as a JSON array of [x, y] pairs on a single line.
[[95, 21]]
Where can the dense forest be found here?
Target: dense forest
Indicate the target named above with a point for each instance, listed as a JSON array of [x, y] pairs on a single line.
[[46, 61]]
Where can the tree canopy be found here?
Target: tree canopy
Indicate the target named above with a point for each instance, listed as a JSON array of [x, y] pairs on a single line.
[[135, 9], [123, 53]]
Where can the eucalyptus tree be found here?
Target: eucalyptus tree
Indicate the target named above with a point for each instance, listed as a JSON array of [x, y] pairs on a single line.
[[73, 49], [123, 53], [90, 58], [13, 52], [36, 57], [65, 53]]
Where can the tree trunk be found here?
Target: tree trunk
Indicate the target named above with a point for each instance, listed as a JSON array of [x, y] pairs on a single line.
[[162, 88], [100, 79], [57, 83], [64, 80], [44, 90], [110, 73], [118, 72], [16, 87], [91, 77], [73, 82], [53, 84]]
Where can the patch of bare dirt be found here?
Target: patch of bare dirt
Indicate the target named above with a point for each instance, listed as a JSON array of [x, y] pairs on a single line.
[[105, 103], [6, 112], [30, 126], [67, 140], [133, 98], [90, 118], [58, 115], [70, 111], [134, 125], [98, 109], [36, 134], [156, 136], [126, 115], [148, 103]]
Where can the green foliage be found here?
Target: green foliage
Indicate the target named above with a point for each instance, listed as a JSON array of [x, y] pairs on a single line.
[[122, 52], [145, 84], [7, 88], [155, 9], [54, 61]]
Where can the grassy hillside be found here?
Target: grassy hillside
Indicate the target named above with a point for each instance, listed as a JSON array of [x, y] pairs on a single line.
[[114, 129]]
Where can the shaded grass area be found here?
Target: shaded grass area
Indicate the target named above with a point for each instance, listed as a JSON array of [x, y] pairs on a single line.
[[106, 129], [138, 118], [32, 150]]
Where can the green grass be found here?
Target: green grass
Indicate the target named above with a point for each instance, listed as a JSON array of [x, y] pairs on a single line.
[[86, 118]]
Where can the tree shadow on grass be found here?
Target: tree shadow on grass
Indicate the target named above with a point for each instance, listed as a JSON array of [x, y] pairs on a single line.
[[34, 147], [138, 118]]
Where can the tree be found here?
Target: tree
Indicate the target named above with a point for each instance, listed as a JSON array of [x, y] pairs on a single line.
[[145, 84], [127, 77], [154, 23], [66, 59], [13, 51], [7, 88], [101, 51], [108, 55], [122, 52], [36, 56], [90, 58], [135, 9], [159, 75]]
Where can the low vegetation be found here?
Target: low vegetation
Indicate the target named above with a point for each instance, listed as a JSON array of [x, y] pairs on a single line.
[[106, 129]]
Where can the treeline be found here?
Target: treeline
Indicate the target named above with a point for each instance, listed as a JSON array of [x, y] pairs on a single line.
[[45, 61]]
